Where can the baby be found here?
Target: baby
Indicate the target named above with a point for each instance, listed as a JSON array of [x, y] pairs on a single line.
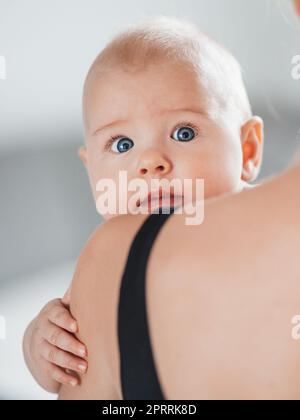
[[161, 101]]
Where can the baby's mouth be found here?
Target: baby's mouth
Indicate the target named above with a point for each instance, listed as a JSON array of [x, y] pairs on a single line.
[[159, 199]]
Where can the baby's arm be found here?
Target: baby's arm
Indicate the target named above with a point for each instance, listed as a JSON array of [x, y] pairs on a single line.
[[51, 349]]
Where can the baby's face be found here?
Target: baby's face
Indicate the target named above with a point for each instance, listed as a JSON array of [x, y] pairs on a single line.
[[166, 129]]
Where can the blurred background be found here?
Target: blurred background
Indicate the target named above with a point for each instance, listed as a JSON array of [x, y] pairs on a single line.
[[46, 209]]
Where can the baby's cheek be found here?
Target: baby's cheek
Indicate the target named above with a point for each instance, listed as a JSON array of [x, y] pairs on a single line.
[[222, 176]]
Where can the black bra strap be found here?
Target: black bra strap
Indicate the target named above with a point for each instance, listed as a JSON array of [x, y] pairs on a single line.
[[138, 373]]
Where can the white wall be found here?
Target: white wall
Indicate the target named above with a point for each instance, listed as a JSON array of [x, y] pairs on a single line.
[[49, 46]]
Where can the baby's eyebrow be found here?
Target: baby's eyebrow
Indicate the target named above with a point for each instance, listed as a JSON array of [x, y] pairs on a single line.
[[193, 110], [165, 111], [111, 124], [188, 110]]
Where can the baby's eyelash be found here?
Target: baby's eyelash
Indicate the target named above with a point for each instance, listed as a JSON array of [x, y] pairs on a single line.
[[112, 139], [187, 124]]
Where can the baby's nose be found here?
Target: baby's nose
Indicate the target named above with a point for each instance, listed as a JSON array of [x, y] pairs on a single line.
[[155, 164]]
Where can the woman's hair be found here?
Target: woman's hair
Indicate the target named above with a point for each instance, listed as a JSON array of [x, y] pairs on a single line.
[[174, 41]]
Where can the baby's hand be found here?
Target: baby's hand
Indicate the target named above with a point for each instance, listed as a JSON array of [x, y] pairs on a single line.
[[53, 347]]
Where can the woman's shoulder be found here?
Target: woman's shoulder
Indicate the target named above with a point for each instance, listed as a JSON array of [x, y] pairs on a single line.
[[94, 299], [103, 251]]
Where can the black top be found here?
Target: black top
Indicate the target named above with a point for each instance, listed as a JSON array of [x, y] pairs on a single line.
[[138, 373]]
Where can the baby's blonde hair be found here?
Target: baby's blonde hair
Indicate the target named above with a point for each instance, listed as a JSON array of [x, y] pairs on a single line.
[[172, 40]]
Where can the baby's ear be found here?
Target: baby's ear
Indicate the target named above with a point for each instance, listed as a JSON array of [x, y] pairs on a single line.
[[82, 153], [297, 6], [252, 137]]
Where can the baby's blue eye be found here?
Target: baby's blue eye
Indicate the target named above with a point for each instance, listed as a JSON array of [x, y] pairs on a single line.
[[120, 144], [185, 134], [123, 145]]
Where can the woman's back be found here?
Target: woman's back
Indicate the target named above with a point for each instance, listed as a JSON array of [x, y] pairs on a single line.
[[220, 304]]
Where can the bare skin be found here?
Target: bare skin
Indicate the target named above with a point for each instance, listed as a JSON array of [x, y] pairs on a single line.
[[230, 299], [297, 7], [50, 349], [223, 153]]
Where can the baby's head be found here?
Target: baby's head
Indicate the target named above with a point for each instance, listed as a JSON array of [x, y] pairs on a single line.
[[164, 101]]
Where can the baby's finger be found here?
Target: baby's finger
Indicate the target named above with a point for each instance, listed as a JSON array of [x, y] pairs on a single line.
[[63, 340], [59, 375], [60, 316], [63, 359]]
